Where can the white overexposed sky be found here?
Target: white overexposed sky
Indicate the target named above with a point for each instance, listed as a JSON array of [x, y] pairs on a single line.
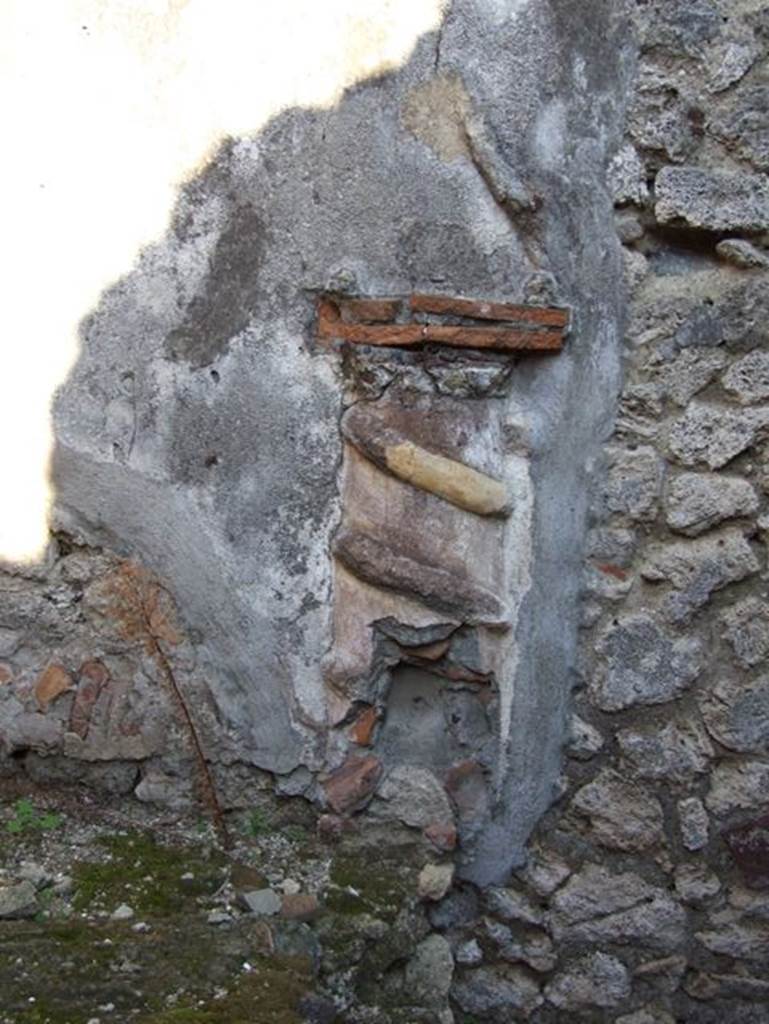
[[108, 106]]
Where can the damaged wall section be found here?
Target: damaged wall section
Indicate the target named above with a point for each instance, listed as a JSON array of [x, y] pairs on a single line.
[[204, 438]]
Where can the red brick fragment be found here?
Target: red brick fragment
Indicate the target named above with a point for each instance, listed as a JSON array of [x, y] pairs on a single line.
[[502, 338], [612, 570], [93, 677], [369, 311], [480, 309], [350, 787], [52, 682], [362, 729], [443, 837]]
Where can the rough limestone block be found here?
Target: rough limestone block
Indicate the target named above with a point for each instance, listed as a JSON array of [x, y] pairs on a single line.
[[498, 991], [626, 177], [715, 434], [595, 980], [712, 200], [596, 906], [742, 254], [18, 901], [698, 568], [736, 934], [695, 502], [695, 884], [634, 482], [736, 713], [744, 125], [642, 664], [690, 372], [264, 902], [429, 972], [738, 785], [584, 740], [414, 796], [622, 815], [677, 751], [746, 627], [748, 378], [435, 881]]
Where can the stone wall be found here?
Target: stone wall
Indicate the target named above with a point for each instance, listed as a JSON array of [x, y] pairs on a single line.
[[620, 710], [644, 899]]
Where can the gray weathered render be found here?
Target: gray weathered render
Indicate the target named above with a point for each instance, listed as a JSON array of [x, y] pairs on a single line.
[[515, 603], [200, 434]]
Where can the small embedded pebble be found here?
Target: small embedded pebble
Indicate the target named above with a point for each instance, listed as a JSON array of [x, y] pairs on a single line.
[[122, 913], [435, 881]]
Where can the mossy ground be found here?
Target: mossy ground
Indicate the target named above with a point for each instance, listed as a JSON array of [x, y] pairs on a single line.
[[71, 968], [176, 969], [359, 886], [152, 878], [73, 963]]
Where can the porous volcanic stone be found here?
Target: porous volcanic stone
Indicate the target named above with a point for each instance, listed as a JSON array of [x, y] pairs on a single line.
[[595, 980], [623, 816], [696, 502], [642, 664], [713, 200], [736, 713]]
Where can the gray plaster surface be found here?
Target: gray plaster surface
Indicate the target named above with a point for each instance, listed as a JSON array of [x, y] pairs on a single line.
[[199, 430]]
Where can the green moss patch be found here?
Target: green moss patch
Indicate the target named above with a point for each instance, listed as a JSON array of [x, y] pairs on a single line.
[[147, 876], [269, 994], [359, 886]]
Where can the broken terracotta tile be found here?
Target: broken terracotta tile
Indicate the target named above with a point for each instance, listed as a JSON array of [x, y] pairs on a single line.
[[481, 309], [350, 787], [504, 338], [93, 677], [442, 589], [52, 682], [362, 729], [369, 311]]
